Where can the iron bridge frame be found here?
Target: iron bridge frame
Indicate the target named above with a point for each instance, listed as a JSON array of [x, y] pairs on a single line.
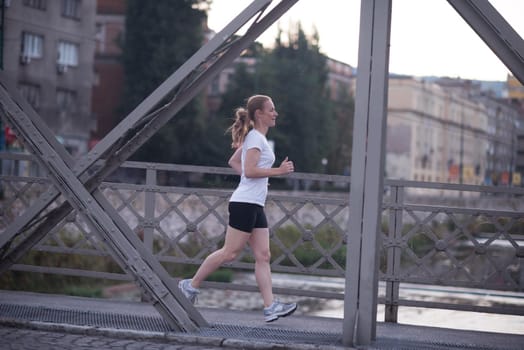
[[78, 181]]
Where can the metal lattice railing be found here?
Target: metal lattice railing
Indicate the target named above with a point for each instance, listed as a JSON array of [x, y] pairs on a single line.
[[434, 234]]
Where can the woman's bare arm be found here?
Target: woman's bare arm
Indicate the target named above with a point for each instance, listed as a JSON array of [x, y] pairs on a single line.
[[251, 169], [235, 161]]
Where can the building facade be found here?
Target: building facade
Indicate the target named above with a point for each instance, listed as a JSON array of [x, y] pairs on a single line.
[[433, 134], [108, 69], [515, 88], [516, 95], [502, 132], [341, 80], [452, 130], [48, 53], [502, 128]]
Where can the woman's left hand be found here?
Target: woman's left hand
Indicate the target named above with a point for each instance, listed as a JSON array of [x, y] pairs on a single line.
[[286, 166]]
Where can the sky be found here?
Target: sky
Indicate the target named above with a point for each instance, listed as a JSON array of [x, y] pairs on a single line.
[[428, 37]]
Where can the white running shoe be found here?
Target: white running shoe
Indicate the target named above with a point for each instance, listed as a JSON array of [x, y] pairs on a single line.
[[189, 291], [278, 309]]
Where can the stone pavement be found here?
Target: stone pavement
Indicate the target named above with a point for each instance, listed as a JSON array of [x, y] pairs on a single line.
[[32, 339], [43, 321]]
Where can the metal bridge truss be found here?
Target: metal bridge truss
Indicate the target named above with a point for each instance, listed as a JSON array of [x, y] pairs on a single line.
[[78, 181]]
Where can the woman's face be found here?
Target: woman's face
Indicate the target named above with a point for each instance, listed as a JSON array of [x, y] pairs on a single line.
[[267, 116]]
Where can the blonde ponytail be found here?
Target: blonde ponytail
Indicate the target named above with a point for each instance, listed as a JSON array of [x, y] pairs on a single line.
[[240, 127], [245, 119]]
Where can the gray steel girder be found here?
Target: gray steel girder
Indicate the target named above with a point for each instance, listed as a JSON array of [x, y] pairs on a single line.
[[117, 155], [76, 182], [367, 169], [170, 302], [112, 143], [117, 148], [495, 31]]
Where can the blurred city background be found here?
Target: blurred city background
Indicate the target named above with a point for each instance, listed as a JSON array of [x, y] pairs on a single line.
[[84, 65]]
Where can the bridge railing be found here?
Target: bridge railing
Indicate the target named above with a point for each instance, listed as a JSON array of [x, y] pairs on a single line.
[[431, 234]]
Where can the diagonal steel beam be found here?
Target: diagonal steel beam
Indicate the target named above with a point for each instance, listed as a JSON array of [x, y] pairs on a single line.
[[115, 136], [169, 301], [120, 155], [32, 212], [200, 82], [150, 260], [117, 234], [495, 31], [178, 77]]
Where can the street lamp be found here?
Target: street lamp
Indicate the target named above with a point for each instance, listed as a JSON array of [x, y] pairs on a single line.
[[324, 162]]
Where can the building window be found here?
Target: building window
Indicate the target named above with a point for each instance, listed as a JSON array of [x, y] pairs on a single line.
[[32, 46], [71, 8], [37, 4], [31, 92], [67, 54], [66, 100]]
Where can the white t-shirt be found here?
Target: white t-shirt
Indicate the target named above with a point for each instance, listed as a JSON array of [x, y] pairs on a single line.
[[254, 190]]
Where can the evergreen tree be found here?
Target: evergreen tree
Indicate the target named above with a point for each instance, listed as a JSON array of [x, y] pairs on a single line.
[[340, 156], [160, 36], [310, 125], [239, 88], [241, 85], [295, 74]]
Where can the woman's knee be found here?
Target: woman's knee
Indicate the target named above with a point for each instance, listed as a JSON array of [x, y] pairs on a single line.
[[263, 255], [229, 255]]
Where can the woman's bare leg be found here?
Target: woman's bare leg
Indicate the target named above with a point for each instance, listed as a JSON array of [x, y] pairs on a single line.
[[234, 242], [259, 242]]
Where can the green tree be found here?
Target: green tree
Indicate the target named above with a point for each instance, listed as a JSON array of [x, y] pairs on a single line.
[[340, 156], [310, 126], [295, 74], [241, 85], [160, 36]]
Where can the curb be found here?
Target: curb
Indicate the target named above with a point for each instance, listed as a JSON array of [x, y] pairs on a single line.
[[180, 338]]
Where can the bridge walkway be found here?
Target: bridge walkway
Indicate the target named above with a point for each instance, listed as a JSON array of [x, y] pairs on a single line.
[[229, 328]]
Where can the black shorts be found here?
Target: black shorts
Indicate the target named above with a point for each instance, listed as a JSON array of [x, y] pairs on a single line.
[[246, 216]]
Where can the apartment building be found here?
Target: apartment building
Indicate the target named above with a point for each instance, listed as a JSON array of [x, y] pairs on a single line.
[[341, 79], [48, 53], [502, 132], [108, 69], [434, 134], [504, 120], [515, 88], [516, 95]]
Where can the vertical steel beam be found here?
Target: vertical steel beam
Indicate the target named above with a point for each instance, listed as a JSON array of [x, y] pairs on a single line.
[[367, 170], [495, 31], [149, 211], [394, 252]]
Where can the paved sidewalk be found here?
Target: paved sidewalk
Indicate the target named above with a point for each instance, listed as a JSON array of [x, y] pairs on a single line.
[[82, 323], [32, 339]]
